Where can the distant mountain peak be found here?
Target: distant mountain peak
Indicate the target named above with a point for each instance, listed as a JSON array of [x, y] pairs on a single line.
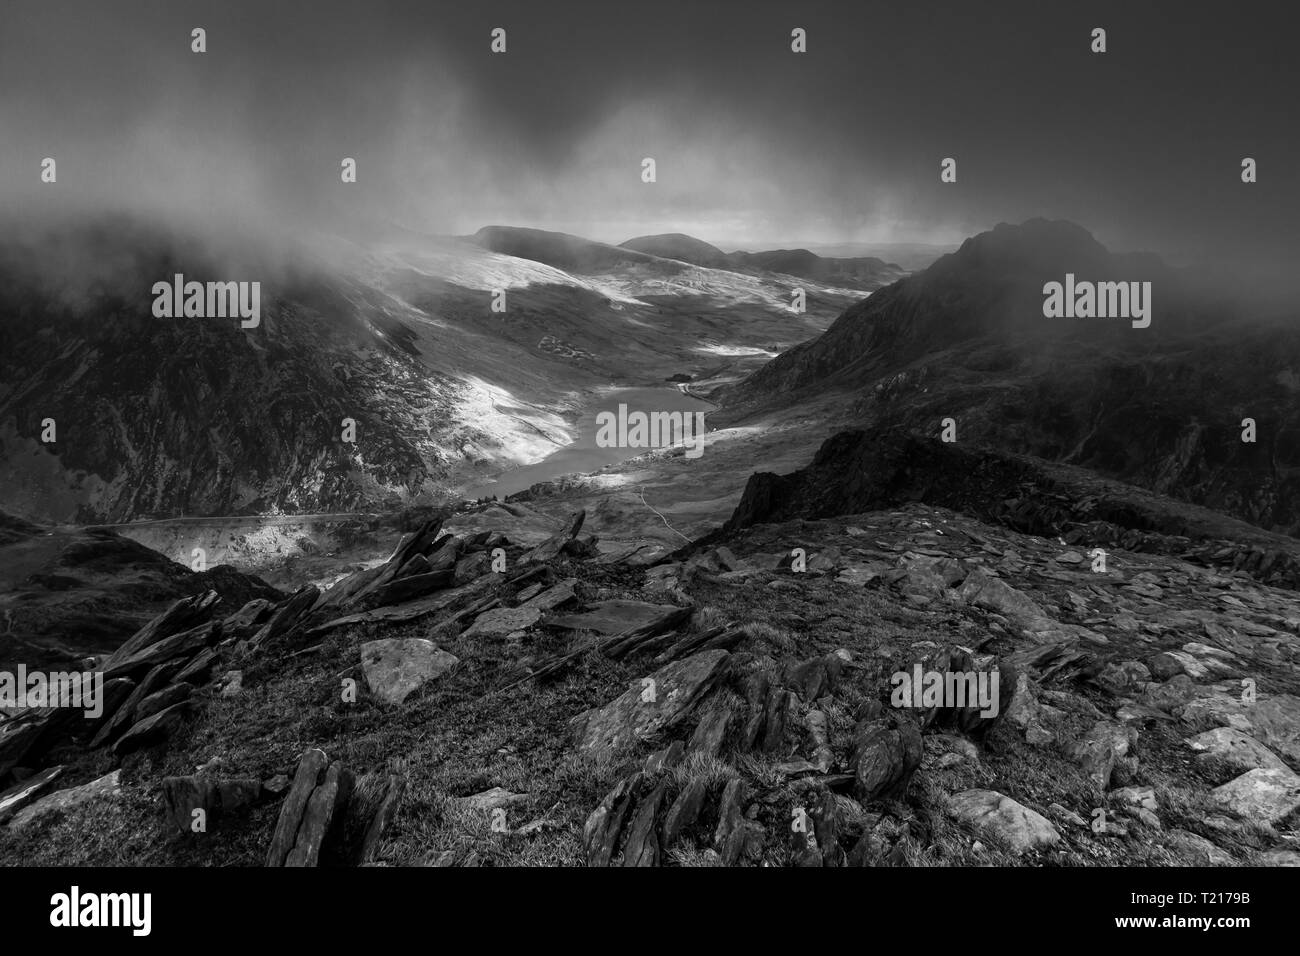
[[679, 246], [1050, 245], [557, 249]]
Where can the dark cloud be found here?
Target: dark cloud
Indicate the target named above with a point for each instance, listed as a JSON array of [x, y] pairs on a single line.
[[754, 145]]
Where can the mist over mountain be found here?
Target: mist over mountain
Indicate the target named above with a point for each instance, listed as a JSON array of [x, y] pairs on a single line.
[[1161, 406], [489, 435], [386, 329]]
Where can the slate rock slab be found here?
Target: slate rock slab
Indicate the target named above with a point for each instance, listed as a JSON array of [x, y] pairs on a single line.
[[152, 730], [106, 786], [22, 794], [311, 768], [395, 668], [1262, 795], [502, 621], [615, 617], [1235, 750], [654, 704]]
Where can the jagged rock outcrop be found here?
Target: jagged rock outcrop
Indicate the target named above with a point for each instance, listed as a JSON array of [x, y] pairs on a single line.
[[756, 723], [883, 467], [657, 703]]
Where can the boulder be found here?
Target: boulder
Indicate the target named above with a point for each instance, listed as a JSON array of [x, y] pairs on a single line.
[[983, 590], [601, 831], [124, 715], [886, 752], [710, 732], [815, 678], [1203, 852], [152, 730], [684, 812], [323, 809], [653, 705], [818, 740], [215, 798], [1261, 795], [1276, 722], [408, 588], [642, 846], [736, 837], [550, 549], [494, 799], [311, 768], [1100, 747], [1280, 857], [287, 616], [395, 668], [664, 759], [1237, 751], [997, 815], [106, 786], [775, 712], [553, 597], [471, 567], [245, 622]]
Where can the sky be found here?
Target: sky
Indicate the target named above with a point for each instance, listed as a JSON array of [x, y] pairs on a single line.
[[755, 146]]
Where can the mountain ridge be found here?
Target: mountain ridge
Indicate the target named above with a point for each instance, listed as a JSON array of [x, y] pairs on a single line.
[[1163, 407]]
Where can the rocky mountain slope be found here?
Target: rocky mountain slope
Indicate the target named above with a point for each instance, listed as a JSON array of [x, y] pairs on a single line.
[[1162, 407], [161, 417], [66, 594], [479, 700]]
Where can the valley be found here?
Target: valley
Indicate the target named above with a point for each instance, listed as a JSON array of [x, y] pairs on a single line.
[[823, 538], [582, 455], [397, 335]]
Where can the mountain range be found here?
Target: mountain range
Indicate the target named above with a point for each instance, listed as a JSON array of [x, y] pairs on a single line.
[[1087, 524], [1163, 407], [164, 417]]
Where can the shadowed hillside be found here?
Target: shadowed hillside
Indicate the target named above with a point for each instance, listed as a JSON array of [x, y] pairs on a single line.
[[1162, 407]]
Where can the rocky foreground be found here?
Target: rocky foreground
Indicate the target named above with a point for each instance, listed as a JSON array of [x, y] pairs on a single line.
[[477, 700]]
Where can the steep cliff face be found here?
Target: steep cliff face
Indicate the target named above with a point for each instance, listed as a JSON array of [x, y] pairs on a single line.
[[1162, 406]]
